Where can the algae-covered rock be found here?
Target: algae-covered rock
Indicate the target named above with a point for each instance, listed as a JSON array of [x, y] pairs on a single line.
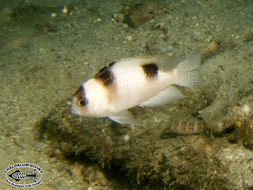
[[149, 158]]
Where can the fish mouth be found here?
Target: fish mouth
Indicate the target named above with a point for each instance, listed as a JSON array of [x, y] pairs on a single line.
[[74, 111]]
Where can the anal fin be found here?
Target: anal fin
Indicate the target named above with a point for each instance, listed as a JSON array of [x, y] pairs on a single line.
[[123, 117], [166, 96]]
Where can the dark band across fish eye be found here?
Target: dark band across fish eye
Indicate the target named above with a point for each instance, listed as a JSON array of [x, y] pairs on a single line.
[[80, 93]]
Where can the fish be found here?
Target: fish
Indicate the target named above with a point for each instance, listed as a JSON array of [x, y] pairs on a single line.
[[18, 175], [188, 127], [130, 82]]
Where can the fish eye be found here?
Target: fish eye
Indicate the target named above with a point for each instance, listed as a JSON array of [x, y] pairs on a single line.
[[82, 102]]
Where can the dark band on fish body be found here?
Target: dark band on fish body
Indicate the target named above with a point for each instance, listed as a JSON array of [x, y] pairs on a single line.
[[105, 68], [111, 64], [151, 70], [80, 96], [105, 76], [101, 70], [188, 128]]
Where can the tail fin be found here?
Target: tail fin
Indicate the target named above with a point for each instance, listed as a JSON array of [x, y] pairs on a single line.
[[188, 71]]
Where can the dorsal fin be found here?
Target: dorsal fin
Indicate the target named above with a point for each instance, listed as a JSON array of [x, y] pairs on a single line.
[[105, 68]]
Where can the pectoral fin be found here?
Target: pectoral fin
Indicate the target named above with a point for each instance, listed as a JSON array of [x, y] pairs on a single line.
[[123, 117], [166, 96]]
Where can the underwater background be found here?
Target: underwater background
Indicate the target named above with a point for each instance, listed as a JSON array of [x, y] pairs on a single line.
[[204, 141]]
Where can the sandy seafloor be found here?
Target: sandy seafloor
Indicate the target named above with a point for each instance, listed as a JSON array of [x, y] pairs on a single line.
[[46, 53]]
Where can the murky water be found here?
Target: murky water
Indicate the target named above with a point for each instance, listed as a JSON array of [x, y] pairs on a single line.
[[49, 48]]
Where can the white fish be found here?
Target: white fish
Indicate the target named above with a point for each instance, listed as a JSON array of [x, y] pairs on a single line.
[[134, 81]]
